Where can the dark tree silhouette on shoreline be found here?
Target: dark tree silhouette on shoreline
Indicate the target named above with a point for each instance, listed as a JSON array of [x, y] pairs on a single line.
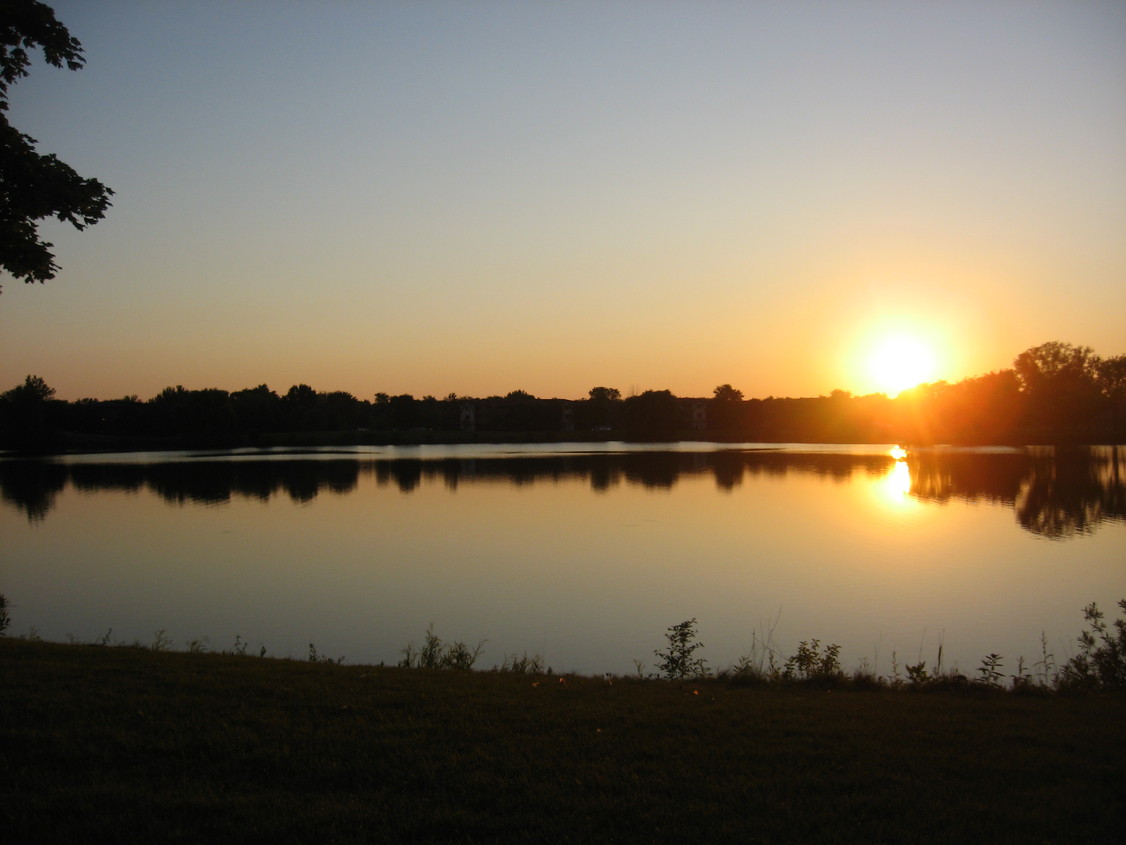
[[34, 187], [1055, 394]]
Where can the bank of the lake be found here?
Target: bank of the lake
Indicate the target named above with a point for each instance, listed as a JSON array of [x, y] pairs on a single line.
[[131, 745]]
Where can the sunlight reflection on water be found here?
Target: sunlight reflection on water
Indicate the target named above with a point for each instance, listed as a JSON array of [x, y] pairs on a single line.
[[897, 483], [584, 557]]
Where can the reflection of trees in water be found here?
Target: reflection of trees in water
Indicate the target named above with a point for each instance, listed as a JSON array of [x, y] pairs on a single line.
[[970, 476], [407, 474], [1055, 494], [654, 469], [1069, 495], [32, 486], [728, 468], [659, 470]]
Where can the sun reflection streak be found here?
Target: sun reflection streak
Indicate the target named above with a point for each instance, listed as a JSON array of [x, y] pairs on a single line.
[[897, 483], [894, 488]]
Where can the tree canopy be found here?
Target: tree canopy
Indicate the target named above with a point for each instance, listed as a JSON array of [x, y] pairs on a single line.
[[1055, 393], [34, 187], [604, 394], [33, 389]]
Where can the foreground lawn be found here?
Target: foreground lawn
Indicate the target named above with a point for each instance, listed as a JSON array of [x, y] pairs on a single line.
[[129, 745]]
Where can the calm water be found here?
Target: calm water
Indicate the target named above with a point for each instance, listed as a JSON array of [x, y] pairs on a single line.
[[582, 554]]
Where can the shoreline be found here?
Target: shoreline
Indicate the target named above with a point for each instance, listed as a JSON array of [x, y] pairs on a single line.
[[136, 746]]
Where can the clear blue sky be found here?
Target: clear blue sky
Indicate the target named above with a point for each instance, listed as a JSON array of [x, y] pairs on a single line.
[[476, 197]]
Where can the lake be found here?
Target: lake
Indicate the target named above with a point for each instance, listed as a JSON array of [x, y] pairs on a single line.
[[582, 553]]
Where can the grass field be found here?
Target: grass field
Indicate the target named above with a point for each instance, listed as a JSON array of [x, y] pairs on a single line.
[[126, 744]]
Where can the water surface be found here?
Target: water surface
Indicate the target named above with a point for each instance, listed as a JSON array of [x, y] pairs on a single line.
[[582, 553]]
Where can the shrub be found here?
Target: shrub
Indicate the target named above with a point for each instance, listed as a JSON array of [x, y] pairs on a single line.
[[1101, 662], [810, 663], [677, 660], [918, 675]]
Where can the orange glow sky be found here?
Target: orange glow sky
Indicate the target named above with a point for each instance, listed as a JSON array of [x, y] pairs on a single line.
[[430, 197]]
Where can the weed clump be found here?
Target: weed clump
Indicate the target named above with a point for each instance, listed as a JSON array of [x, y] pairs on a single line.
[[435, 654], [523, 665], [315, 657]]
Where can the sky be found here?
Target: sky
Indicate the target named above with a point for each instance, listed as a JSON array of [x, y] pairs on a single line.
[[433, 197]]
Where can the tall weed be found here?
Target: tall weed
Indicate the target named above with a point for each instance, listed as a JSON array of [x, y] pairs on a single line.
[[989, 671]]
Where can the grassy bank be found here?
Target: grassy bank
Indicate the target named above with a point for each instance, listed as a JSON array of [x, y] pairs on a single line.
[[133, 745]]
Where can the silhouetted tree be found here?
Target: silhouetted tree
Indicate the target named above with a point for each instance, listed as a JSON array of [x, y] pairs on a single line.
[[128, 416], [1059, 383], [404, 412], [33, 389], [986, 409], [342, 411], [727, 393], [380, 412], [980, 409], [28, 415], [604, 394], [438, 414], [302, 412], [600, 410], [1111, 377], [201, 416], [301, 394], [725, 408], [652, 415], [1054, 361], [34, 187], [256, 409]]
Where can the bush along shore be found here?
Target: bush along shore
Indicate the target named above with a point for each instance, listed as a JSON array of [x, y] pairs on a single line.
[[143, 744]]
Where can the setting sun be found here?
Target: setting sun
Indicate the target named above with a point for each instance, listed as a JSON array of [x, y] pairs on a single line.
[[900, 361]]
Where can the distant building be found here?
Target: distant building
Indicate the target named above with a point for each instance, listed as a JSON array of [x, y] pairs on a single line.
[[692, 414], [516, 415], [699, 415], [467, 417]]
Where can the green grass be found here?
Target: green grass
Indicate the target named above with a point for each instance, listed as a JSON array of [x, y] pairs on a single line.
[[132, 745]]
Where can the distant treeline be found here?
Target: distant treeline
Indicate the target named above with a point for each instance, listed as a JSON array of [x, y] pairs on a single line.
[[1054, 393]]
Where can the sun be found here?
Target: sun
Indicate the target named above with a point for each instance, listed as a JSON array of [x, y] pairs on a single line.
[[896, 362]]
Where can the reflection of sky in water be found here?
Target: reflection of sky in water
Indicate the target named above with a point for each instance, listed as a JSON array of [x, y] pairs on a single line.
[[589, 574]]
